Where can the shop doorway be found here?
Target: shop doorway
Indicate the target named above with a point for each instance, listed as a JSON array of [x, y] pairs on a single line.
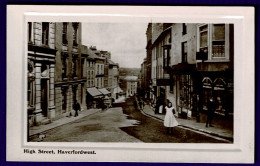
[[44, 97]]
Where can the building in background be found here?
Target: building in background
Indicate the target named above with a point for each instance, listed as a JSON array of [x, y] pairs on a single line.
[[131, 85]]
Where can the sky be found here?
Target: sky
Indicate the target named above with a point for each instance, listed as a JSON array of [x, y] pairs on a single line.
[[125, 41]]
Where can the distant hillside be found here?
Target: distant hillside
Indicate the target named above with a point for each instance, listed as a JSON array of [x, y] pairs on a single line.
[[128, 72]]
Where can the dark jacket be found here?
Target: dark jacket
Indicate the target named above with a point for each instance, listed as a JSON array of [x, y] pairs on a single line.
[[76, 106], [211, 107]]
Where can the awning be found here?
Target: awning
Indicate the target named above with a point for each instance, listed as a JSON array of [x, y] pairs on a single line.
[[94, 92], [104, 91], [117, 90], [183, 68]]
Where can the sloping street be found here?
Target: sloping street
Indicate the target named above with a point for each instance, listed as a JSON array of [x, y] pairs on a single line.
[[123, 123]]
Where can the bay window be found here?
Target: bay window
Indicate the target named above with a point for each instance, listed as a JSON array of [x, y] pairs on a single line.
[[213, 39]]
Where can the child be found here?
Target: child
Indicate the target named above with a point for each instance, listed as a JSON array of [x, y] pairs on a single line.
[[169, 119]]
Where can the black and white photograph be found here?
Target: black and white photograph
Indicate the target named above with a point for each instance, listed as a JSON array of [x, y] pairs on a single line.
[[122, 81], [130, 82]]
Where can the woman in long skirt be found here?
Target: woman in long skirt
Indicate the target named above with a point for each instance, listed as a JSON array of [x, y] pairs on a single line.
[[169, 119]]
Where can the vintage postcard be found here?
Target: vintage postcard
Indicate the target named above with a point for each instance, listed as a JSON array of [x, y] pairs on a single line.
[[104, 83]]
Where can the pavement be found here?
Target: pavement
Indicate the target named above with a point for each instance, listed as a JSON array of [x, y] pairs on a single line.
[[41, 128], [222, 128]]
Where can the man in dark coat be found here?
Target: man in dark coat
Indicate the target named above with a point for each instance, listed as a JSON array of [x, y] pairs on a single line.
[[76, 107], [210, 112]]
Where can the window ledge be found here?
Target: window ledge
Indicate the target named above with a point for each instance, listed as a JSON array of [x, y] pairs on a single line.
[[214, 60]]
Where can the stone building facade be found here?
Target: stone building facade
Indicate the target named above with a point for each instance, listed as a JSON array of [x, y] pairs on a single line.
[[55, 74], [41, 67], [69, 82]]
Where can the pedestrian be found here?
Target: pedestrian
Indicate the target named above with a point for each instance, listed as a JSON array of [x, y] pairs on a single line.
[[76, 107], [135, 103], [169, 119], [210, 112], [141, 104]]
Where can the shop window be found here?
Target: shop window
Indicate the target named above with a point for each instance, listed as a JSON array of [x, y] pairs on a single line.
[[206, 91], [184, 52], [64, 33], [220, 95], [45, 33], [186, 90]]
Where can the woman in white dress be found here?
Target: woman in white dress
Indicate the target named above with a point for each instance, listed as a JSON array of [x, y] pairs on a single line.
[[169, 119]]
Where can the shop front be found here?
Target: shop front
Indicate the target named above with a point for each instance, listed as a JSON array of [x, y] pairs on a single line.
[[184, 88], [94, 97], [220, 87]]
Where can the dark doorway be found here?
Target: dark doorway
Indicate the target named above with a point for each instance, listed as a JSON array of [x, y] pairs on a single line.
[[44, 97]]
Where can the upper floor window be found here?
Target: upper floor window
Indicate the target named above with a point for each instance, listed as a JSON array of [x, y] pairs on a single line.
[[184, 28], [203, 33], [184, 52], [75, 34], [30, 32], [167, 57], [45, 33], [64, 33], [218, 40], [213, 39], [64, 67]]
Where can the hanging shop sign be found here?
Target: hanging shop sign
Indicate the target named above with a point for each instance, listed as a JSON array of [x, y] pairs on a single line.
[[163, 82]]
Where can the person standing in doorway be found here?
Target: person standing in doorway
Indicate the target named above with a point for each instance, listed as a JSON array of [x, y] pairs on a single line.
[[169, 119], [210, 112], [76, 107]]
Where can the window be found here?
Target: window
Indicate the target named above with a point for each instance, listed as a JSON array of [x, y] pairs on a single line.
[[184, 28], [203, 32], [184, 52], [186, 89], [45, 33], [64, 33], [75, 34], [213, 40], [166, 55], [97, 69], [218, 40], [29, 32], [64, 68]]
